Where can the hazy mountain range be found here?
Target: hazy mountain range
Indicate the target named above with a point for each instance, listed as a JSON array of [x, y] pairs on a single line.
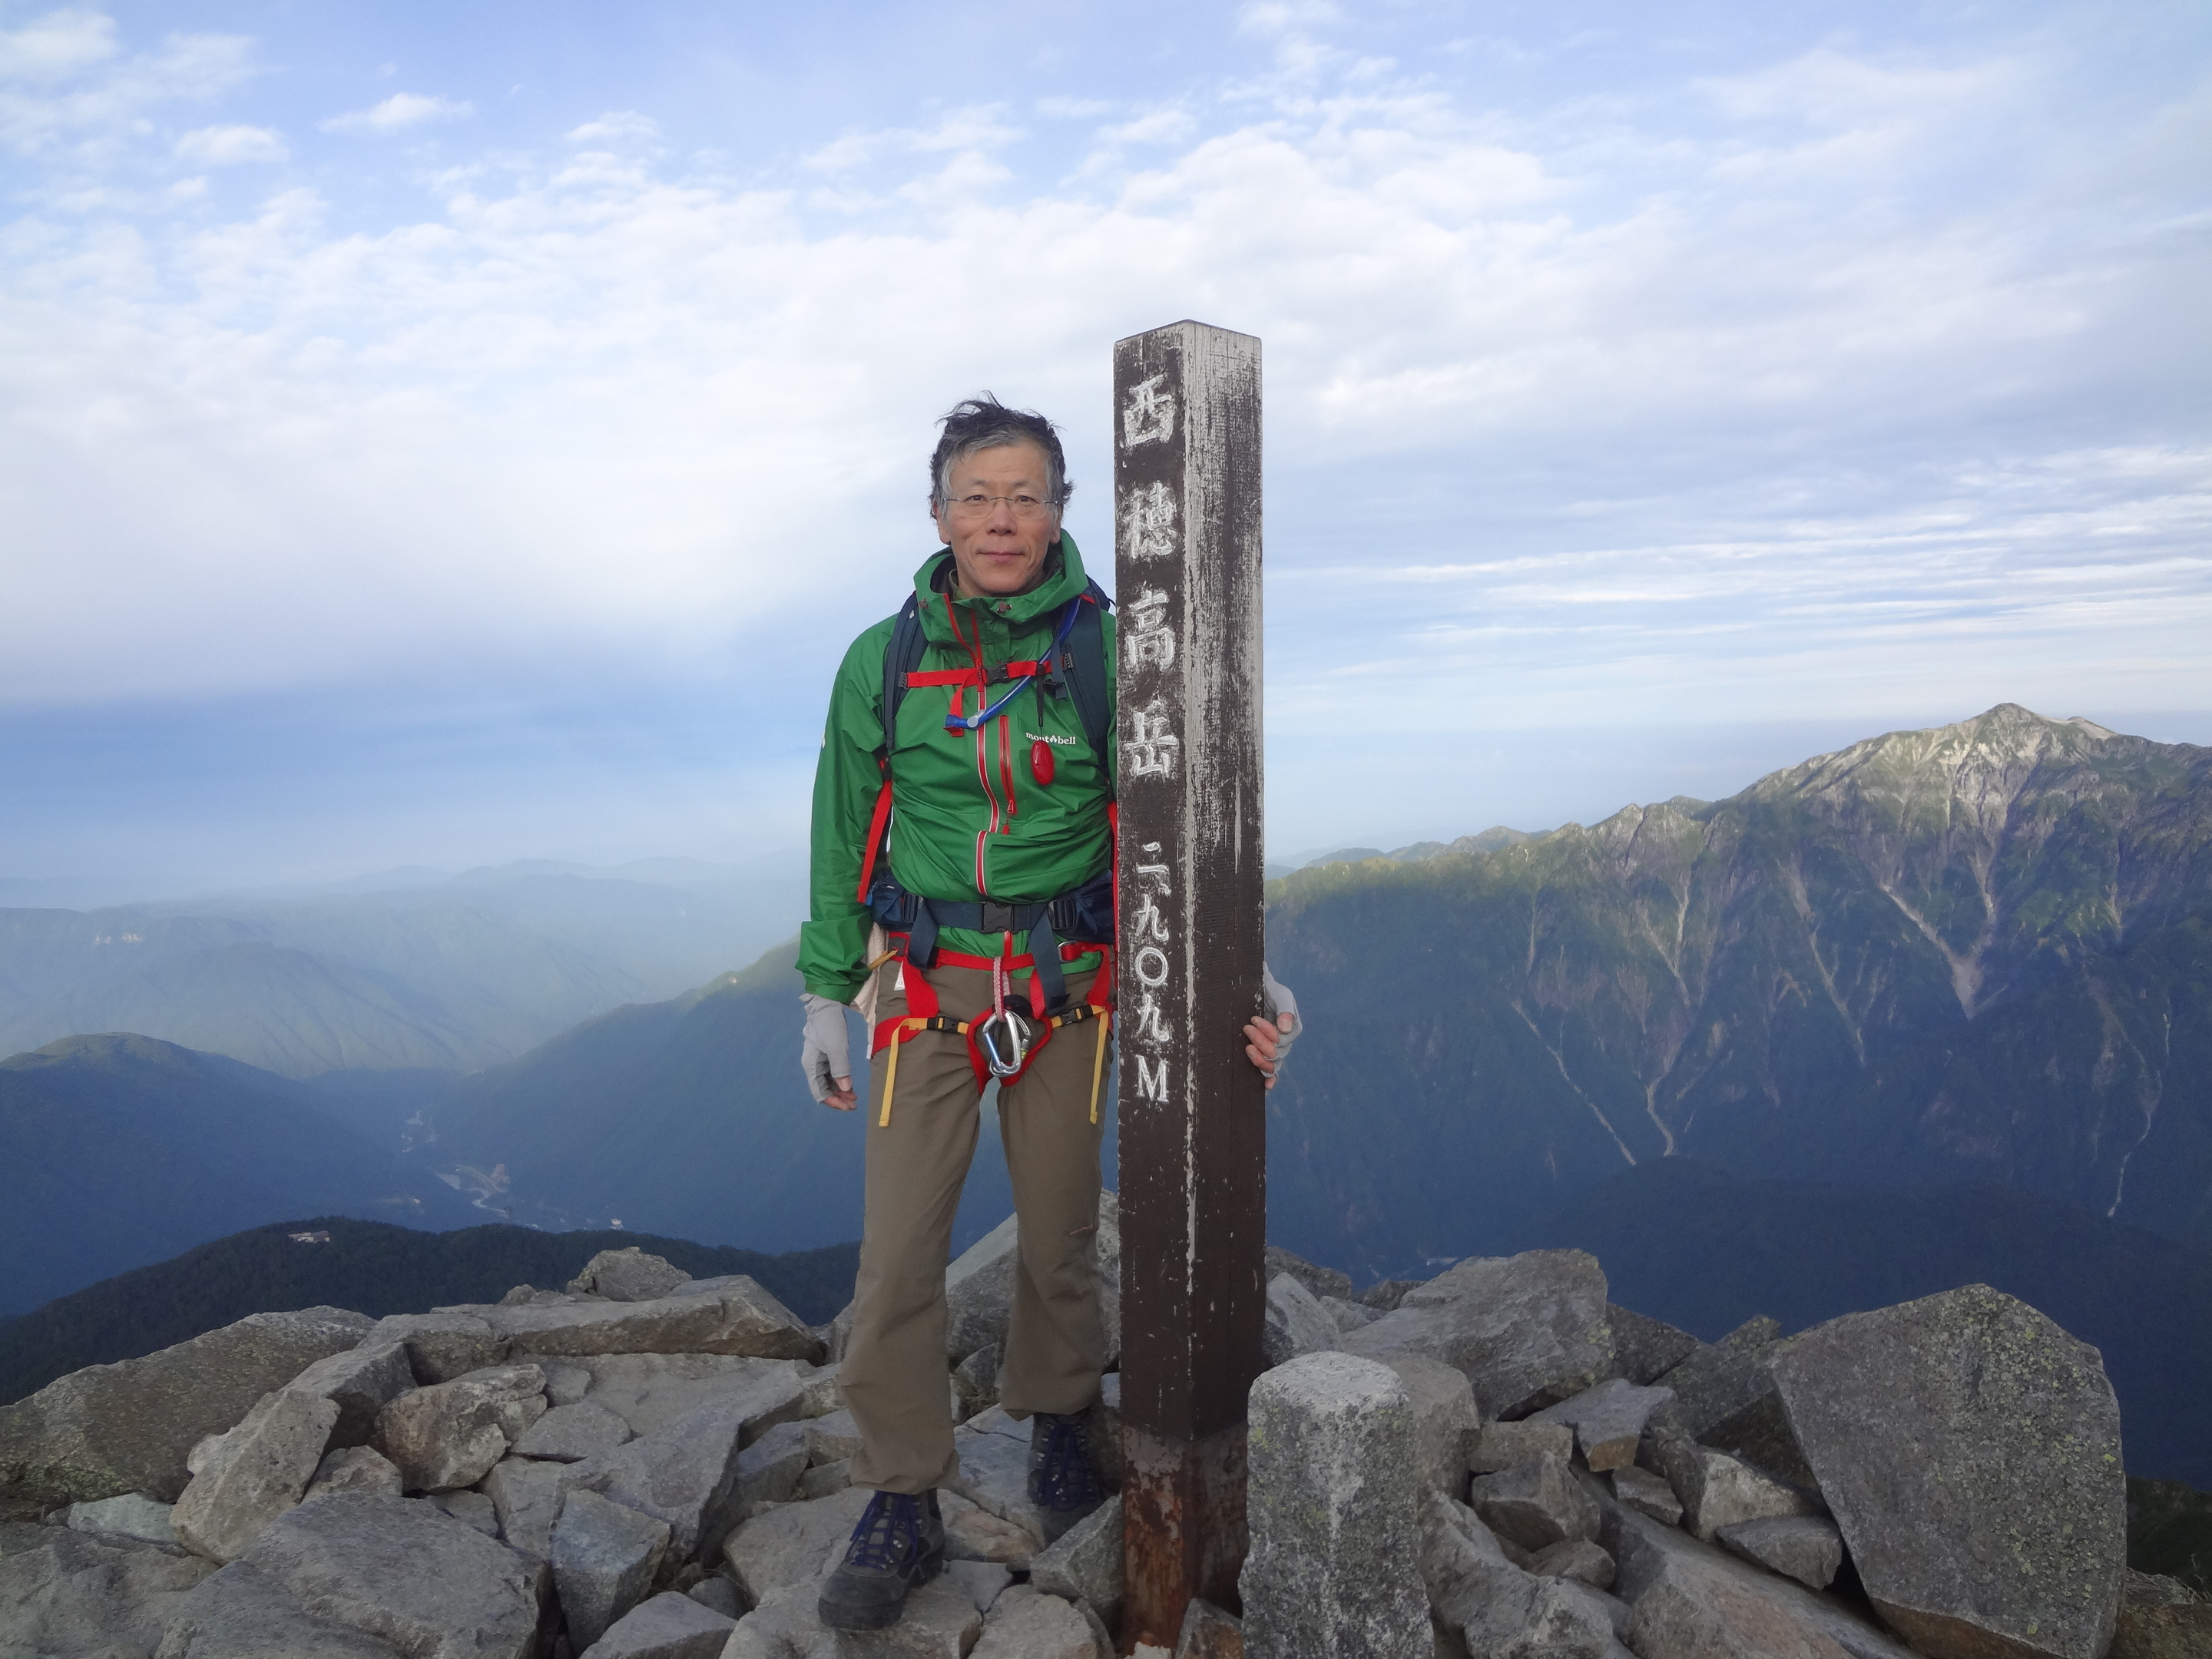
[[411, 968]]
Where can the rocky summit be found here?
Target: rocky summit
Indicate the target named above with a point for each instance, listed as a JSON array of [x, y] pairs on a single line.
[[1498, 1463]]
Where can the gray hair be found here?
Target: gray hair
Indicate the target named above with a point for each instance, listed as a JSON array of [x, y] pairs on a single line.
[[979, 423]]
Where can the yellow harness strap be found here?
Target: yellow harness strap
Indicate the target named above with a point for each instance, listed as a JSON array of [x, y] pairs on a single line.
[[910, 1023], [1098, 1069]]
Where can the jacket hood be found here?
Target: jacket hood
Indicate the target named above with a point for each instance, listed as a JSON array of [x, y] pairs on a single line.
[[1064, 579]]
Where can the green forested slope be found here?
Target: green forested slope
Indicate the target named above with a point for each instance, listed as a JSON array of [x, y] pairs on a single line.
[[371, 1267]]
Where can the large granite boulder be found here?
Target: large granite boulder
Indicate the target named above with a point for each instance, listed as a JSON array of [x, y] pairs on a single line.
[[793, 1543], [667, 1626], [1445, 1423], [400, 1570], [687, 1474], [1025, 1623], [1296, 1323], [243, 1613], [109, 1429], [605, 1557], [1725, 1398], [741, 1318], [450, 1434], [1971, 1451], [569, 1434], [66, 1592], [1494, 1608], [1692, 1600], [442, 1344], [253, 1474], [649, 1391], [526, 1498], [1609, 1420], [128, 1516], [1529, 1330], [979, 1286], [1332, 1498], [629, 1275], [360, 1383], [1535, 1505], [1646, 1349]]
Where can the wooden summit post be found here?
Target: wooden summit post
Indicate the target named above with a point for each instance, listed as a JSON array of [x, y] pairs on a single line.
[[1194, 1119]]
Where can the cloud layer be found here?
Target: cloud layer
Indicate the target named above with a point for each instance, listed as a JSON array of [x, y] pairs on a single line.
[[1865, 380]]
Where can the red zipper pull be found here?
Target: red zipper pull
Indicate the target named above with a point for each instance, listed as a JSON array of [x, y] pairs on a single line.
[[1041, 760]]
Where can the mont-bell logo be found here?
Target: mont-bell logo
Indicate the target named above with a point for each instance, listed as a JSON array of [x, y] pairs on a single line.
[[1039, 737]]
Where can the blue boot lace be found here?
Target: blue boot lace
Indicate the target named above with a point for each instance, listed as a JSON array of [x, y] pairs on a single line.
[[889, 1534], [1063, 1478]]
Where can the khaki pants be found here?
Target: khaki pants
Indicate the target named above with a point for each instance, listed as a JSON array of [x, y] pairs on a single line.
[[895, 1377]]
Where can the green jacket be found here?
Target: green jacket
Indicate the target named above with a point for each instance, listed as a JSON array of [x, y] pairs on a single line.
[[969, 820]]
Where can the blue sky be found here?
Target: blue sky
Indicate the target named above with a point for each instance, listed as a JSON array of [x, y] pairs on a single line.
[[442, 435]]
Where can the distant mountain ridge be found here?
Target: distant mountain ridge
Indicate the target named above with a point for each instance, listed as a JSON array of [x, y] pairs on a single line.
[[413, 968], [1982, 952]]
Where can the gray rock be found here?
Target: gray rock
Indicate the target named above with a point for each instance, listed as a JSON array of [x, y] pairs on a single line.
[[1806, 1547], [1209, 1633], [1331, 1500], [1535, 1505], [979, 1286], [128, 1516], [605, 1557], [1296, 1323], [627, 1275], [976, 1380], [442, 1345], [668, 1626], [1529, 1330], [109, 1429], [821, 1480], [450, 1434], [2161, 1619], [836, 1334], [1649, 1494], [1028, 1623], [1576, 1558], [242, 1613], [354, 1468], [984, 1581], [742, 1318], [1385, 1294], [1925, 1421], [565, 1385], [649, 1391], [686, 1473], [832, 1437], [1609, 1420], [1725, 1398], [1755, 1335], [1444, 1421], [1492, 1606], [526, 1498], [361, 1381], [718, 1594], [1085, 1564], [63, 1592], [1646, 1349], [995, 1468], [1502, 1445], [398, 1569], [772, 1468], [253, 1474], [938, 1622], [972, 1533], [1693, 1601], [823, 1393], [569, 1434], [1318, 1281], [1348, 1315], [1718, 1491], [473, 1509], [792, 1543]]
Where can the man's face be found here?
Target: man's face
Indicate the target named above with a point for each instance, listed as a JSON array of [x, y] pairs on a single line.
[[995, 549]]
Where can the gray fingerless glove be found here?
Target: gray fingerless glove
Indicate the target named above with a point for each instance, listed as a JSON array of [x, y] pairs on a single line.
[[824, 1054], [1279, 1001]]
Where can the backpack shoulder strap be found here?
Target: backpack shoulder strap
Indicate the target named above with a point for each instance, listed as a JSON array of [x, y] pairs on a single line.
[[1083, 661], [901, 656]]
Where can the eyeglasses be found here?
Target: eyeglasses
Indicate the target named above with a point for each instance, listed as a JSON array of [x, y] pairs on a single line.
[[1026, 508]]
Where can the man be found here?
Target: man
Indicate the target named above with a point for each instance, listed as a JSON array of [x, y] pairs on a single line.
[[969, 921]]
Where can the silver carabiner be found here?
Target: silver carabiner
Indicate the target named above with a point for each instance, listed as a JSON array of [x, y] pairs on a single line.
[[1017, 1038]]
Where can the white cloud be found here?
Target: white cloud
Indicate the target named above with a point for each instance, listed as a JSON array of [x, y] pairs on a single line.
[[1579, 412], [56, 46], [617, 126], [397, 113], [1072, 109], [227, 146]]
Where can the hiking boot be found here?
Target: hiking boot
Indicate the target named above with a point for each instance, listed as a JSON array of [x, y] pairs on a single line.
[[1062, 1483], [898, 1545]]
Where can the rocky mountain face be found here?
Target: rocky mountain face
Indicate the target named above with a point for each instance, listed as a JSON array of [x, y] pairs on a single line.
[[1499, 1461], [1982, 952]]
